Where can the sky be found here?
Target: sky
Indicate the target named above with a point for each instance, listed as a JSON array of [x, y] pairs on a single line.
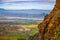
[[27, 4], [23, 0]]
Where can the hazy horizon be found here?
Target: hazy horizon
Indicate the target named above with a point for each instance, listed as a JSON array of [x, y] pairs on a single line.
[[26, 5]]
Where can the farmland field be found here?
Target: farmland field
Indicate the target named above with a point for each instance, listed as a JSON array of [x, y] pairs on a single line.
[[15, 32]]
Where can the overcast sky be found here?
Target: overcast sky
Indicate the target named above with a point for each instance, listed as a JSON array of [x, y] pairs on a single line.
[[23, 0], [27, 4]]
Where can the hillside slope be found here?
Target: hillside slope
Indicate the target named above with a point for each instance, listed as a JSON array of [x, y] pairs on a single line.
[[50, 24]]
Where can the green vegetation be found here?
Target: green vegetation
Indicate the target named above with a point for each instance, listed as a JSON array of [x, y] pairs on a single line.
[[26, 22], [10, 34], [56, 35]]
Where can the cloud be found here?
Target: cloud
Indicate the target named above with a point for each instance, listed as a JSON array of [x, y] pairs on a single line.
[[27, 5], [28, 0]]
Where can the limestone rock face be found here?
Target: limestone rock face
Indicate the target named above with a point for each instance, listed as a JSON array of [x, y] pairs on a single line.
[[50, 23]]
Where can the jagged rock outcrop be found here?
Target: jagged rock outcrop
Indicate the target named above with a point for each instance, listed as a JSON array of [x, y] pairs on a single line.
[[50, 23]]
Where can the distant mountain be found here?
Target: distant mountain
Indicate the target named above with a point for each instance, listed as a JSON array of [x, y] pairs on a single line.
[[28, 13], [1, 9]]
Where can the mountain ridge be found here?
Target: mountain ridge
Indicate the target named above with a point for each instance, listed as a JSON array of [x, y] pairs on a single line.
[[31, 13]]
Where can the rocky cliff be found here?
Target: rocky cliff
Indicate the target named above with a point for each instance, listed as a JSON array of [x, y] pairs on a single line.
[[50, 24]]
